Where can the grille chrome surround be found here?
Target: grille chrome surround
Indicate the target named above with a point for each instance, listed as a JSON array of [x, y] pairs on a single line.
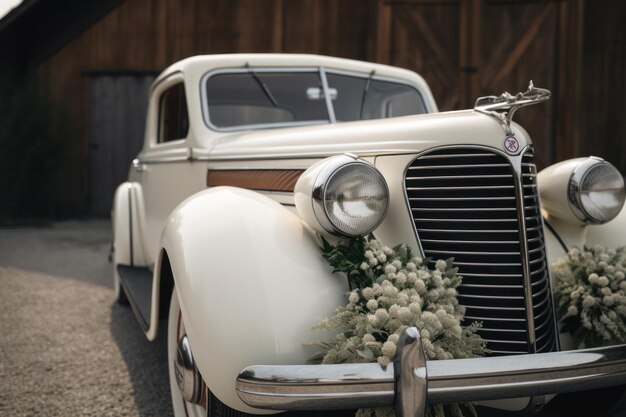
[[481, 207]]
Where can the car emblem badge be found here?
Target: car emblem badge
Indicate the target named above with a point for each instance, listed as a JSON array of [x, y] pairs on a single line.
[[511, 145]]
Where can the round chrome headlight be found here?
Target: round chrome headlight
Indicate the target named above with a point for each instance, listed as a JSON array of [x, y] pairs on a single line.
[[596, 191], [345, 195]]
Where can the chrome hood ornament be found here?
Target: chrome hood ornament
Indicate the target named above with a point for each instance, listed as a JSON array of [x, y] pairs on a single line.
[[504, 106]]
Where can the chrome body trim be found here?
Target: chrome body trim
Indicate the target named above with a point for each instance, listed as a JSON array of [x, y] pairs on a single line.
[[573, 189], [410, 376], [547, 277], [345, 386], [268, 157], [167, 160], [327, 98], [521, 218], [187, 374], [138, 165]]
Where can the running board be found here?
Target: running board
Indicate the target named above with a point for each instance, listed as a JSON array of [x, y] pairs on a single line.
[[137, 284]]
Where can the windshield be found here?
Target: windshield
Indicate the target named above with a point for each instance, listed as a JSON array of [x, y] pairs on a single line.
[[256, 98]]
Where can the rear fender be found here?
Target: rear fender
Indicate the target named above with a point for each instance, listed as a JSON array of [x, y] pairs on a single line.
[[128, 225], [251, 283]]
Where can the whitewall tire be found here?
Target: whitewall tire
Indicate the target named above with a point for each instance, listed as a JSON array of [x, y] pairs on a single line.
[[175, 330]]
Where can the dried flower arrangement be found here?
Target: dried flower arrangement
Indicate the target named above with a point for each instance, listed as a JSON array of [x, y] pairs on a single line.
[[591, 292], [390, 291]]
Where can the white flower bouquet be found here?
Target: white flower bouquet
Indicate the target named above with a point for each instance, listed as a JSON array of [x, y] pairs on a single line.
[[390, 291], [591, 293]]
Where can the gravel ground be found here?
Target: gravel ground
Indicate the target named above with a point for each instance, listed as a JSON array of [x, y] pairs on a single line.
[[67, 348]]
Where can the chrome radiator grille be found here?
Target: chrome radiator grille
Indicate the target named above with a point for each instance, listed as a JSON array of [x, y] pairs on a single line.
[[538, 264], [465, 205]]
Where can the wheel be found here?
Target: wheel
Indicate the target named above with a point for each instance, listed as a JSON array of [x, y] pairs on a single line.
[[203, 399], [216, 408], [175, 331]]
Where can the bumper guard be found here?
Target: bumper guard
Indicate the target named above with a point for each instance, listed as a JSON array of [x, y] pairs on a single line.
[[411, 382]]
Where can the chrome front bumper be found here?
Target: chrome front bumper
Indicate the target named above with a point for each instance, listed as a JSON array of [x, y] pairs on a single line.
[[411, 382]]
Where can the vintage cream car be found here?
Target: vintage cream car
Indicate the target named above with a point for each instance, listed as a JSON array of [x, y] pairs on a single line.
[[249, 158]]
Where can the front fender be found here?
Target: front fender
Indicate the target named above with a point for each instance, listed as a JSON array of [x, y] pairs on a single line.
[[567, 235], [251, 283], [611, 234], [574, 234]]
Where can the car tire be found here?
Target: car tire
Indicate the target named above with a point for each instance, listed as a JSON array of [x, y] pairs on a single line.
[[603, 402]]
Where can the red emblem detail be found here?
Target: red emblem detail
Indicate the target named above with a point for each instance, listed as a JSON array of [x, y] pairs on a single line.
[[511, 145]]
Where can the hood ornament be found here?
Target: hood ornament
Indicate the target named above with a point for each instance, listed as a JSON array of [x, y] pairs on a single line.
[[504, 106]]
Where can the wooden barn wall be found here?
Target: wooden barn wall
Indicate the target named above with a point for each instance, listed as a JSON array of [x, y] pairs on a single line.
[[463, 48], [603, 92]]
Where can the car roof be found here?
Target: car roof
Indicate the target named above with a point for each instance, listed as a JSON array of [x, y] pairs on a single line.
[[195, 67]]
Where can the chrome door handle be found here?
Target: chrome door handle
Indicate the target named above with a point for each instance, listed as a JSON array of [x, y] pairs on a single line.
[[139, 167]]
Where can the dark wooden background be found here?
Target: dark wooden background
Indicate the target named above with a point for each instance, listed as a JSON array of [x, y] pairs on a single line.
[[463, 48]]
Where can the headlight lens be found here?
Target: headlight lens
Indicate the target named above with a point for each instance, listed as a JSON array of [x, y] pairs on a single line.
[[352, 199], [596, 191]]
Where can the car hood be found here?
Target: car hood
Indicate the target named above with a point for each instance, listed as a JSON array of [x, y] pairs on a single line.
[[401, 135]]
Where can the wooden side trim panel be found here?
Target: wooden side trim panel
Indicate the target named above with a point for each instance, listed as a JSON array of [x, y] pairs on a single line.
[[260, 179]]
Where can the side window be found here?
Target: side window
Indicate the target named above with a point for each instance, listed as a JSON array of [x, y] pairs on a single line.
[[173, 118]]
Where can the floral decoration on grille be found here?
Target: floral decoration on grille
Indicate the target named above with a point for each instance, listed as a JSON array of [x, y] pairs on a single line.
[[390, 291], [591, 292]]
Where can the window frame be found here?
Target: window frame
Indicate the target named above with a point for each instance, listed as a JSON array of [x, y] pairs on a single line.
[[321, 71]]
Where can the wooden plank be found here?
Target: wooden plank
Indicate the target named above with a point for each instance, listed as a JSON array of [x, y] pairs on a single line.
[[603, 91], [475, 63], [415, 24], [470, 22], [501, 45], [410, 49], [383, 33], [529, 35], [278, 25], [465, 24], [424, 2], [300, 29], [508, 23], [568, 82]]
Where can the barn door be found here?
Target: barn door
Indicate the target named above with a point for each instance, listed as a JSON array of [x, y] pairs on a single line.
[[470, 48], [118, 115]]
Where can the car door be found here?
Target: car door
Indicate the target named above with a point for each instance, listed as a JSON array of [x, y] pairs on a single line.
[[164, 167]]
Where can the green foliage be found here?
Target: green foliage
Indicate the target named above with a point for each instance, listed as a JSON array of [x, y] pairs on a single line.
[[32, 149], [347, 258]]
